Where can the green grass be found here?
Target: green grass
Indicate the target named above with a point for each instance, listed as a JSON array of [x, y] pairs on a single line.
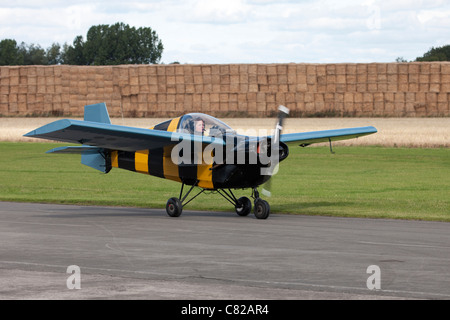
[[398, 183]]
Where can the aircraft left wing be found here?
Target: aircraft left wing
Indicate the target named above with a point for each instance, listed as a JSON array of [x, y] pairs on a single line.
[[113, 137], [306, 138]]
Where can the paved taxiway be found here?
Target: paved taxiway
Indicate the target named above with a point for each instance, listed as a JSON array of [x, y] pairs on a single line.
[[131, 253]]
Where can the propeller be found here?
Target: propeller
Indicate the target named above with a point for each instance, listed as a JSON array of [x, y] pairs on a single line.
[[275, 142]]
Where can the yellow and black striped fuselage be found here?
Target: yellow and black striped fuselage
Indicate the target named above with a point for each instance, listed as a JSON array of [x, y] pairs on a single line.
[[158, 162]]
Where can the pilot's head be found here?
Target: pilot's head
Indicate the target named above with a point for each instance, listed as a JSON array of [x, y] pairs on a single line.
[[199, 126]]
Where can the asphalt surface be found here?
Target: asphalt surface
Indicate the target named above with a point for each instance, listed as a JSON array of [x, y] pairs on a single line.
[[130, 253]]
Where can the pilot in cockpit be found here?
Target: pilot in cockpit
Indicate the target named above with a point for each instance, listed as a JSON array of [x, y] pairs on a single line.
[[199, 126]]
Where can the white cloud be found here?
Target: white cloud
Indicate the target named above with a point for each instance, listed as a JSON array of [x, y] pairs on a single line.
[[217, 11], [246, 31]]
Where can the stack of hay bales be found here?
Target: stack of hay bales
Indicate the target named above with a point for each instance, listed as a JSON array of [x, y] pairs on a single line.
[[347, 89]]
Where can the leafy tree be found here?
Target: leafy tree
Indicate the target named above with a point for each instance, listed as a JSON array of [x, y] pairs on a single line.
[[10, 53], [104, 45], [436, 54], [23, 54], [33, 54], [115, 44], [53, 54], [75, 54]]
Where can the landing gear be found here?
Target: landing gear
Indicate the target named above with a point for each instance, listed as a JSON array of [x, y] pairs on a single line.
[[262, 207], [174, 207], [243, 205]]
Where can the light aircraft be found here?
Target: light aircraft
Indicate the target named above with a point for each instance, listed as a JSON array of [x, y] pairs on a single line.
[[195, 149]]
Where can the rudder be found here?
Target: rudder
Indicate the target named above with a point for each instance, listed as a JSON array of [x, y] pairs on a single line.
[[96, 113], [98, 159]]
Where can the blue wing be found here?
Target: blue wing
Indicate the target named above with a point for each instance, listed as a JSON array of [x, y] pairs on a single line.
[[97, 135], [114, 137], [306, 138], [96, 132]]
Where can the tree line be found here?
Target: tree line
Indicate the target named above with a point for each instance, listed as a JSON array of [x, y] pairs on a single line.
[[436, 54], [104, 45], [118, 44]]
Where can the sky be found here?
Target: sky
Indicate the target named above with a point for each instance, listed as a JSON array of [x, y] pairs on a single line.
[[246, 31]]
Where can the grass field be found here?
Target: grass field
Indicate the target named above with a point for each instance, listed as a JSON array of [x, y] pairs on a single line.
[[378, 182]]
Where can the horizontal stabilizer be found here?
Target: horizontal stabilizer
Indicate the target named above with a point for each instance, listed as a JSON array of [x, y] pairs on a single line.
[[97, 158], [75, 150]]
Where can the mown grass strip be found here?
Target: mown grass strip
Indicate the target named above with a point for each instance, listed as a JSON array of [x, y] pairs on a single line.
[[376, 182]]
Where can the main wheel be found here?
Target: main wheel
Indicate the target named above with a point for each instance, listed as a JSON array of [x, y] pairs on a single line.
[[262, 209], [174, 207], [243, 206]]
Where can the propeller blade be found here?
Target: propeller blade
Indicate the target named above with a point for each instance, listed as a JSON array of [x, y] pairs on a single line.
[[267, 187], [282, 113]]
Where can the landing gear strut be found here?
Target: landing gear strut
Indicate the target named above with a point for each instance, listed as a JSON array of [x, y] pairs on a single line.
[[243, 205], [174, 206]]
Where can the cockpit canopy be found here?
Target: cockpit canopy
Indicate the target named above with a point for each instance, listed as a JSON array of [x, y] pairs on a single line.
[[199, 123]]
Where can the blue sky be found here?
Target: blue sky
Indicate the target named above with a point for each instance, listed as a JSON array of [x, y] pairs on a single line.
[[246, 31]]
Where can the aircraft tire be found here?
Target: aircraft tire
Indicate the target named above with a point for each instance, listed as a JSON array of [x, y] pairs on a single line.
[[243, 206], [262, 209], [174, 207]]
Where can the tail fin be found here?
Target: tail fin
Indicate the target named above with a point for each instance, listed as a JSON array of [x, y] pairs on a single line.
[[96, 113], [97, 158]]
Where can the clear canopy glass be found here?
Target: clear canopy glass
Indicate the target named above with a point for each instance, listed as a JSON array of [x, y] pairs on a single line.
[[203, 124]]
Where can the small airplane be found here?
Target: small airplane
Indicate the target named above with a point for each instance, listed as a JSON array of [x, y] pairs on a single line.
[[195, 149]]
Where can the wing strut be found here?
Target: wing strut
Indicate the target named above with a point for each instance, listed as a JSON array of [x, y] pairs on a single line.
[[331, 147]]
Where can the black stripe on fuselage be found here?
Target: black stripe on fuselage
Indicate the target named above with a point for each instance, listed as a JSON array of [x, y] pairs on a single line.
[[126, 160], [155, 162]]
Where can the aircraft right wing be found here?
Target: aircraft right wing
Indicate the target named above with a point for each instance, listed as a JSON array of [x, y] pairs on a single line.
[[304, 139]]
